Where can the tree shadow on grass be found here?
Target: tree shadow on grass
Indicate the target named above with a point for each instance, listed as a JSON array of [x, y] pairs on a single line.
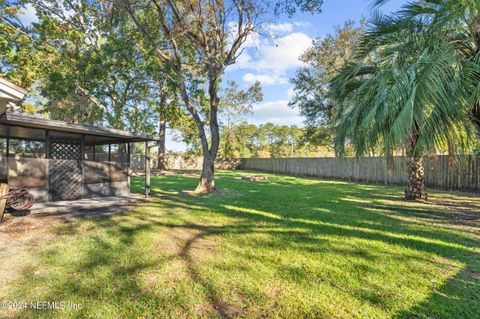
[[110, 265], [457, 297], [452, 299]]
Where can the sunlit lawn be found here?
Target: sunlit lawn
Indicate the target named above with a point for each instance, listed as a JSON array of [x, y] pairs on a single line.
[[289, 247]]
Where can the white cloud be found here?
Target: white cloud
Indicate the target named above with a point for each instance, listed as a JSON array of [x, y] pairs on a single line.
[[265, 79], [276, 112], [284, 53], [279, 27], [272, 59], [252, 41], [28, 15], [243, 61], [302, 24]]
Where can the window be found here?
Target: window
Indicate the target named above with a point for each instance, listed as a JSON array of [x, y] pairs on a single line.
[[26, 148], [101, 153], [119, 153]]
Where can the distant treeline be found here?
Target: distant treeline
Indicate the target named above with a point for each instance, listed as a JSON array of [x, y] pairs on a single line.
[[269, 140]]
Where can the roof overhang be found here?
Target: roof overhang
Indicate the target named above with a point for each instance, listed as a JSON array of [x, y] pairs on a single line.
[[10, 91], [111, 135]]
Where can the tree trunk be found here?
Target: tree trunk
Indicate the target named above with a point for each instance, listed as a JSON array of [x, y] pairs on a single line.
[[415, 171], [207, 179], [206, 183], [161, 164], [416, 180]]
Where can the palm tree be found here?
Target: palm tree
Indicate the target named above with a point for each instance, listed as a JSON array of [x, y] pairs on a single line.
[[407, 97], [457, 22]]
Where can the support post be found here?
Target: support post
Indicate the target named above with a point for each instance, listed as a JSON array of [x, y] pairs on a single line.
[[109, 152], [82, 167], [47, 163], [7, 161], [93, 152], [8, 145], [128, 165], [147, 170]]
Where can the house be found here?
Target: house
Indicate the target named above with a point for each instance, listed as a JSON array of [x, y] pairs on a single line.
[[57, 161]]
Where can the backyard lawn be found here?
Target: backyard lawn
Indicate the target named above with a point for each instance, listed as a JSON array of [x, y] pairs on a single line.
[[288, 247]]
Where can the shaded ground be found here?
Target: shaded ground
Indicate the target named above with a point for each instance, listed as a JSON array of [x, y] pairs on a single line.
[[21, 236], [288, 247]]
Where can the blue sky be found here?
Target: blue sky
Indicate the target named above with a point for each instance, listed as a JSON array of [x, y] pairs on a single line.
[[273, 60]]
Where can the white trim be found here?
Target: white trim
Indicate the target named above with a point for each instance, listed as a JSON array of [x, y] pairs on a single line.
[[10, 91]]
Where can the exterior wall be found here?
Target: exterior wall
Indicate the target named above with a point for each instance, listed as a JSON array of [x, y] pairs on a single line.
[[105, 179], [27, 172], [100, 178], [106, 189]]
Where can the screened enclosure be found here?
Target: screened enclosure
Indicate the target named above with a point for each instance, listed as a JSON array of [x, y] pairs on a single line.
[[59, 161]]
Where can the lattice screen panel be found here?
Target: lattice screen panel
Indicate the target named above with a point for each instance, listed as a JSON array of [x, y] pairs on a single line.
[[65, 148], [65, 179], [65, 170]]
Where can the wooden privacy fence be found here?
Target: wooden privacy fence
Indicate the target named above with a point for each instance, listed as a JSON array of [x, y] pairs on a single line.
[[177, 161], [464, 175]]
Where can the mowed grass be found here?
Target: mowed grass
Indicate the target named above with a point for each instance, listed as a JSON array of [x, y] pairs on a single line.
[[285, 248]]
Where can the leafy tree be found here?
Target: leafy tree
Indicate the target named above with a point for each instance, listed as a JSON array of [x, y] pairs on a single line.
[[266, 140], [18, 61], [290, 7], [84, 62], [199, 40], [234, 105], [94, 73], [312, 82]]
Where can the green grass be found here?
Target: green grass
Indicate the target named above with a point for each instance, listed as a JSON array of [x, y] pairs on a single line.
[[289, 248]]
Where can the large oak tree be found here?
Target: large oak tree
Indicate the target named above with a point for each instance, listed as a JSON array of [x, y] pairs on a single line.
[[199, 40]]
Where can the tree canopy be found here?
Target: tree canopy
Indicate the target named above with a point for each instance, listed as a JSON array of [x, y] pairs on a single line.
[[312, 82]]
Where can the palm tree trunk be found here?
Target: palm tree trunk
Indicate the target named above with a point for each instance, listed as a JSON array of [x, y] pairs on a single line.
[[416, 179], [415, 171]]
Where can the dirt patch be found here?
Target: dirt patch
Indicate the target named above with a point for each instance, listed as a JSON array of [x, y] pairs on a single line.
[[255, 178], [19, 237], [474, 274], [228, 311]]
